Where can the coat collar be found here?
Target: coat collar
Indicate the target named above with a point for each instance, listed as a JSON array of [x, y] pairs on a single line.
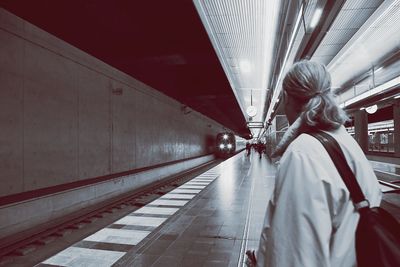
[[292, 132]]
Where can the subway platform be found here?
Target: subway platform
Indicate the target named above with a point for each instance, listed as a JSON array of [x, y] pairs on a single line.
[[211, 220]]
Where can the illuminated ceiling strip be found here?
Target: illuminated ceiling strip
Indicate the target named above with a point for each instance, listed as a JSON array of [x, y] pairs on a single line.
[[217, 47], [392, 83], [316, 18], [242, 34], [278, 88]]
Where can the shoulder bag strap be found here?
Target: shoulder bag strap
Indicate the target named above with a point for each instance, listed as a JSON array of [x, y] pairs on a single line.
[[338, 158]]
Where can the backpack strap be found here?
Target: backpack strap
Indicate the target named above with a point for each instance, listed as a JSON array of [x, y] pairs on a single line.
[[338, 158]]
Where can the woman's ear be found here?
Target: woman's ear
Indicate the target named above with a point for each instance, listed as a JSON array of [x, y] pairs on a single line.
[[291, 108]]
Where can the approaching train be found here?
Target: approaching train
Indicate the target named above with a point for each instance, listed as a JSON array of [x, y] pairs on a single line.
[[227, 144]]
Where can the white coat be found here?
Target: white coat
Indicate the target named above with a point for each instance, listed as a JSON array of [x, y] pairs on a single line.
[[310, 220]]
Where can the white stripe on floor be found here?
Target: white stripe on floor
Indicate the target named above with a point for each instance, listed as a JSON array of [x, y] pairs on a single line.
[[178, 196], [189, 191], [118, 236], [168, 202], [141, 221], [192, 186], [74, 256], [156, 210], [77, 256]]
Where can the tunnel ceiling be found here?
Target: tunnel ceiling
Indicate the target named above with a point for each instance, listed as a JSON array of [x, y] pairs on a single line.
[[161, 43]]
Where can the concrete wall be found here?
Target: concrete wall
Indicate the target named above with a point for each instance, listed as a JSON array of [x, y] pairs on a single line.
[[66, 116]]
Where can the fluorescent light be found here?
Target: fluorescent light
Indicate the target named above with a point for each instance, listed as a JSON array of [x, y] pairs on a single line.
[[245, 66], [397, 96], [315, 18], [374, 91], [278, 88]]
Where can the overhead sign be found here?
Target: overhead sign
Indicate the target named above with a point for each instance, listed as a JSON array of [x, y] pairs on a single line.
[[255, 124]]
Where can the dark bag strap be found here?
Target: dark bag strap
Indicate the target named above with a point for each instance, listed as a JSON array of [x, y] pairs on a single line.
[[338, 158]]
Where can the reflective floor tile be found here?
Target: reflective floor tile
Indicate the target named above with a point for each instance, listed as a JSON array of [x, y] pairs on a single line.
[[118, 236], [178, 196], [197, 183], [141, 221], [156, 210], [192, 186], [167, 202], [189, 191], [85, 257]]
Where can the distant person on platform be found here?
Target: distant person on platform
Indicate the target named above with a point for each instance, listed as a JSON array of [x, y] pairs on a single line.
[[260, 148], [248, 148], [310, 220]]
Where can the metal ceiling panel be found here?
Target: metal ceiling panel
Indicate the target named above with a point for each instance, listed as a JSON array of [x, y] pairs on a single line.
[[328, 50], [352, 16], [337, 36], [362, 4], [243, 36], [378, 37]]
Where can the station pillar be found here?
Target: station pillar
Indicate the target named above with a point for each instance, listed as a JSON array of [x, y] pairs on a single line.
[[396, 134], [361, 129]]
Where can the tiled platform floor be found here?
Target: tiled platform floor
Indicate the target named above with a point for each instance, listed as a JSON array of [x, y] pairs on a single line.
[[390, 168], [209, 221]]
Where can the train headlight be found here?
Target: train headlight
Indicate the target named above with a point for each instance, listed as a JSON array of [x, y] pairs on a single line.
[[225, 136], [221, 146], [229, 146]]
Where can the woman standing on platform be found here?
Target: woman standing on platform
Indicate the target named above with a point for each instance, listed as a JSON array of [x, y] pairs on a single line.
[[311, 220]]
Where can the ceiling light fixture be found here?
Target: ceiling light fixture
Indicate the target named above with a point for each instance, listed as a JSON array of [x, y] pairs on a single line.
[[371, 109], [278, 87], [245, 66], [315, 19]]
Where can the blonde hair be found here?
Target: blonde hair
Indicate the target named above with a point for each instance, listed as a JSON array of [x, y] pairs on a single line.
[[309, 84]]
